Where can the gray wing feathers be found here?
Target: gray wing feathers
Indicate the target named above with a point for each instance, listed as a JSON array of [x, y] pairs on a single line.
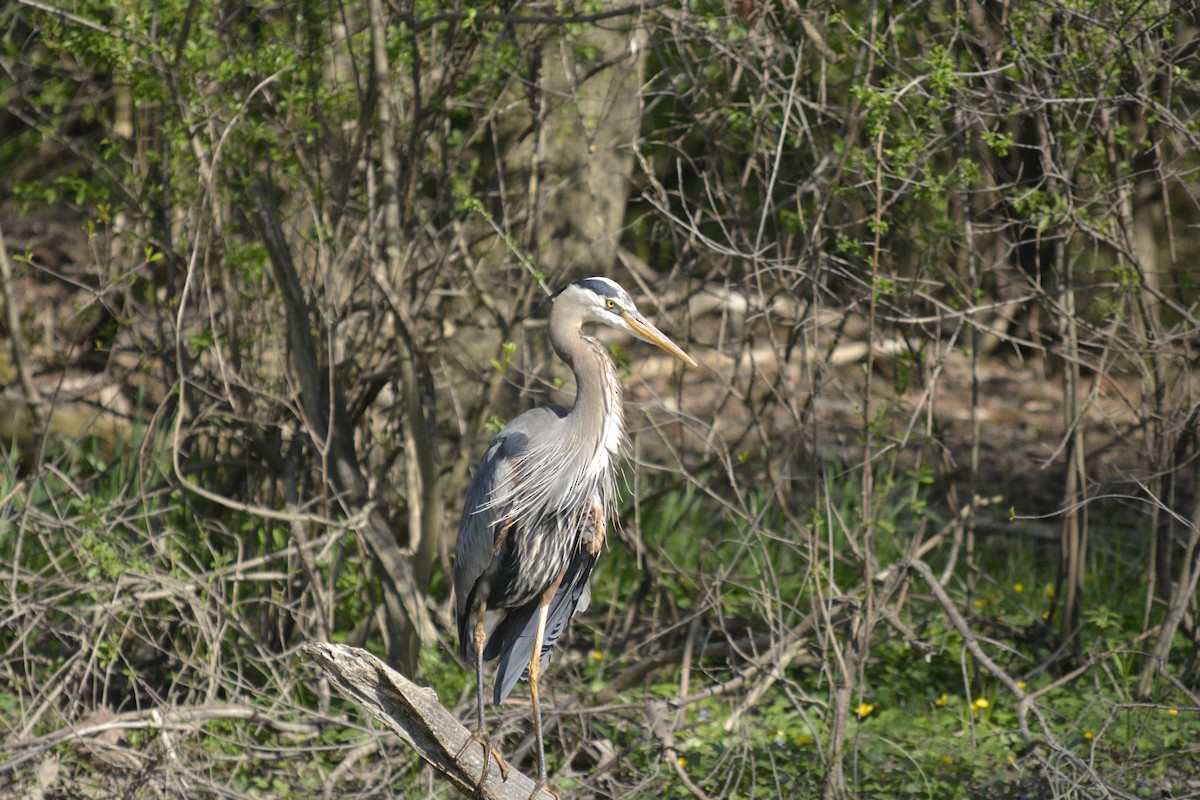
[[476, 534], [492, 481]]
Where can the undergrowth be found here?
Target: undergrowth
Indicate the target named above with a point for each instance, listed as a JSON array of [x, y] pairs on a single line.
[[126, 596]]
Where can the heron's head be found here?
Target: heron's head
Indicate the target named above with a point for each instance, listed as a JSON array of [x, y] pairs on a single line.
[[604, 301]]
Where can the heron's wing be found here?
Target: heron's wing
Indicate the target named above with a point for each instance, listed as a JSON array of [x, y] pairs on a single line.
[[476, 532], [475, 548], [513, 638]]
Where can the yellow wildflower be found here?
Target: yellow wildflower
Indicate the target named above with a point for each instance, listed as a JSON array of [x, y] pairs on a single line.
[[1020, 684], [1172, 711], [1018, 587], [1087, 735], [1049, 591], [864, 709], [941, 701], [681, 761], [980, 703]]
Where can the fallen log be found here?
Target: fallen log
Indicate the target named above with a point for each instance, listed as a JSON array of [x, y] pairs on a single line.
[[414, 714]]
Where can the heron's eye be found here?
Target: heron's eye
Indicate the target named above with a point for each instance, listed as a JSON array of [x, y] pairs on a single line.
[[611, 303]]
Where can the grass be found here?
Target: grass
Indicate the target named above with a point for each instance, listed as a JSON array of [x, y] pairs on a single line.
[[126, 595]]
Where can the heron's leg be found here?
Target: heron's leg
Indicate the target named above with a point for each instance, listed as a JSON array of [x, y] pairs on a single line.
[[480, 736], [535, 675], [597, 540]]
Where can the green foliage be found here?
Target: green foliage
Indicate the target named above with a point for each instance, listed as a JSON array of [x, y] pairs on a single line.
[[148, 587], [925, 725], [507, 349], [923, 161]]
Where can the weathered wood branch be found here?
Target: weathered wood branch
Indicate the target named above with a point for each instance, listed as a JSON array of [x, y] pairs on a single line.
[[414, 714]]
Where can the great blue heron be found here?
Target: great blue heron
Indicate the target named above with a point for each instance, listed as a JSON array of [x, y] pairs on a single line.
[[537, 509]]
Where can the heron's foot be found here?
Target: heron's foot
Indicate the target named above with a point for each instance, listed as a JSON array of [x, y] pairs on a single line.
[[490, 753], [539, 785]]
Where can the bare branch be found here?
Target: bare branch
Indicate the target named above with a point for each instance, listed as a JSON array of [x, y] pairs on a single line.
[[332, 432], [13, 320]]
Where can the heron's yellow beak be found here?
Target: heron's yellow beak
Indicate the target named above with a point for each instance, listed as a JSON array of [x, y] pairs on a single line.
[[642, 329]]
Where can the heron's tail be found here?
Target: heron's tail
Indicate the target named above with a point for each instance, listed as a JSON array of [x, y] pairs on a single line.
[[513, 638]]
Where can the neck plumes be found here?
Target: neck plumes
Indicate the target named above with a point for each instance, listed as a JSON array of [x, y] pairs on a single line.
[[596, 421]]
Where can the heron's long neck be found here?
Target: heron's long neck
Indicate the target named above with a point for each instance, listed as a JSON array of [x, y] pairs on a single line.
[[596, 420]]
